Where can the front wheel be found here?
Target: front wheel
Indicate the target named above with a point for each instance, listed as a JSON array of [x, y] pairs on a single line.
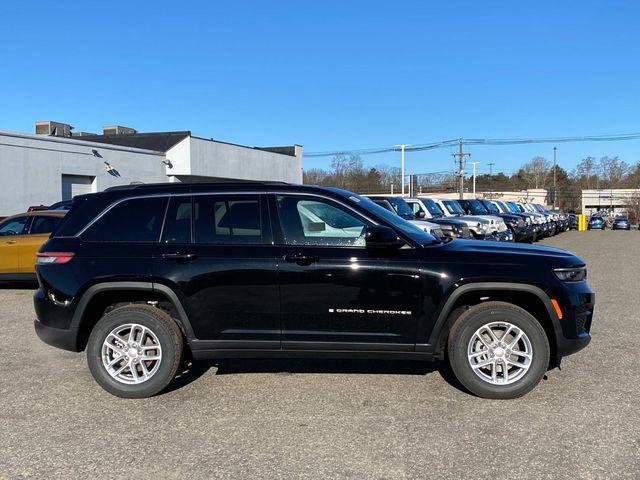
[[134, 351], [498, 350]]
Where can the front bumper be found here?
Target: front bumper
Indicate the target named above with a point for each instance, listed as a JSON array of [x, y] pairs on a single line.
[[573, 330]]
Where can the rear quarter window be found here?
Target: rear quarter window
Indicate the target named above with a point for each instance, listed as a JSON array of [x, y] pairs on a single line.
[[134, 220]]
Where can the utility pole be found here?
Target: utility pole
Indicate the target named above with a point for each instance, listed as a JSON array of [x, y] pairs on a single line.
[[461, 156], [491, 178], [474, 177], [402, 147], [555, 192]]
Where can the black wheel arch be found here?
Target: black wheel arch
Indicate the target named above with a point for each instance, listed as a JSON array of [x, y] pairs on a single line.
[[96, 297], [520, 294]]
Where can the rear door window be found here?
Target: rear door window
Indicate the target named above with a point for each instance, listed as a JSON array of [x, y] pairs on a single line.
[[44, 225], [177, 225], [228, 219], [135, 220]]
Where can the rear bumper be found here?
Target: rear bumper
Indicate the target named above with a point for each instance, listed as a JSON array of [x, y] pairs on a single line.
[[66, 339]]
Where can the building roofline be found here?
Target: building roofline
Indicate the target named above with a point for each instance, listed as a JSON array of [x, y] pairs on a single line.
[[77, 141], [262, 149]]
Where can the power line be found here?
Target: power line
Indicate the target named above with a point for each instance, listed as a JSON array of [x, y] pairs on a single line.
[[482, 141]]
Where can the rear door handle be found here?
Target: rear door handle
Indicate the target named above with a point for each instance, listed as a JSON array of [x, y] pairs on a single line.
[[301, 259], [11, 242], [180, 257]]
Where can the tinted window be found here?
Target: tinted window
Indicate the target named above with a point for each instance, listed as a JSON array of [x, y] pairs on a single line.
[[453, 207], [136, 220], [490, 206], [433, 207], [13, 226], [177, 223], [400, 206], [41, 225], [314, 221], [228, 219], [474, 207]]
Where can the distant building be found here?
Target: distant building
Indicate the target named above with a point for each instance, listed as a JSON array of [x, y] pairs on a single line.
[[57, 163], [613, 200]]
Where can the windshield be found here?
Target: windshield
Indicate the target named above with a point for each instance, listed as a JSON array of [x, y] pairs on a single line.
[[453, 207], [412, 231], [503, 207], [490, 206], [433, 208], [512, 206], [476, 207], [402, 208]]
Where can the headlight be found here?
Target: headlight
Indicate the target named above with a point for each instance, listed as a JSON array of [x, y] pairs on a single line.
[[577, 274]]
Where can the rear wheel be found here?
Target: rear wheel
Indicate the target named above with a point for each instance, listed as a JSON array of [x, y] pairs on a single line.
[[134, 351], [498, 350]]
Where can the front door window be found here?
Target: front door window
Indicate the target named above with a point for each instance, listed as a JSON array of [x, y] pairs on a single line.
[[311, 221]]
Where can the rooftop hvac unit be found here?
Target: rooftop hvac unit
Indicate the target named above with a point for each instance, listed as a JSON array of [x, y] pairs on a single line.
[[118, 130], [55, 129]]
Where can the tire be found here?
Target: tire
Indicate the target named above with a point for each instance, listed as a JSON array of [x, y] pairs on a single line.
[[152, 327], [523, 377]]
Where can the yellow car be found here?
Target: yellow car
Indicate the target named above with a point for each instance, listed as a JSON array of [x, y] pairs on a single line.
[[20, 238]]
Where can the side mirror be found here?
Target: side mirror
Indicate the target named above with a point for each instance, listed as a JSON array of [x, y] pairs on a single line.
[[379, 236], [421, 214]]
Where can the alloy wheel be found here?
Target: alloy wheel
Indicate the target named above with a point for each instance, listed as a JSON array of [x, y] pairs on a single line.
[[131, 353], [500, 353]]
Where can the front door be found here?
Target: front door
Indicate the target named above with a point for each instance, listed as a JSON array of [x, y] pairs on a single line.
[[11, 231], [216, 254], [335, 293]]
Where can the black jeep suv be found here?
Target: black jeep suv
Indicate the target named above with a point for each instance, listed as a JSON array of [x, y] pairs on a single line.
[[141, 276]]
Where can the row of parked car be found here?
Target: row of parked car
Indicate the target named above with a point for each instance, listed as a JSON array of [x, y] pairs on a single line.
[[495, 220], [602, 222]]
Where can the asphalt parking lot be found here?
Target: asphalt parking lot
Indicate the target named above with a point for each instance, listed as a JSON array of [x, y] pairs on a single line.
[[337, 419]]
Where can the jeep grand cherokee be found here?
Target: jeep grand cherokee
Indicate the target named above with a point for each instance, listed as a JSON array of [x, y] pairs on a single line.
[[140, 276]]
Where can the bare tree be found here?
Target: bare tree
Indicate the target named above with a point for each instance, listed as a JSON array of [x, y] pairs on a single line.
[[535, 172], [613, 171], [585, 171], [633, 202]]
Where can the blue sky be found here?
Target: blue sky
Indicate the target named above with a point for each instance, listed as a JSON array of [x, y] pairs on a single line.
[[332, 75]]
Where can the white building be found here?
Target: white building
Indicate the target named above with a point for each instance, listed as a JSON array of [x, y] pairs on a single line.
[[615, 200], [55, 164]]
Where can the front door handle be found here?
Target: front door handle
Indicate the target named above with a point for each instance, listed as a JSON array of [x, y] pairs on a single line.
[[301, 259], [11, 242], [180, 257]]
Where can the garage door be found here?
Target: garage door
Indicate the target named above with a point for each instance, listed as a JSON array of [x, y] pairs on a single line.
[[73, 185]]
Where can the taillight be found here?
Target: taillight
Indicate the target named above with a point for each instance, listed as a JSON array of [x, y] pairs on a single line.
[[48, 258]]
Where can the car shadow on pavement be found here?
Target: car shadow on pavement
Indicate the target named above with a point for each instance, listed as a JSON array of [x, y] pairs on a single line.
[[193, 370], [18, 285]]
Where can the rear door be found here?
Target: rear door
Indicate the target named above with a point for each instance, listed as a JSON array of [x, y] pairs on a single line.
[[39, 230], [216, 253], [11, 230]]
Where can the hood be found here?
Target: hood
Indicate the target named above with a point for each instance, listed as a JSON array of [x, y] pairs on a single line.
[[424, 224], [449, 221], [473, 219], [503, 252], [510, 217]]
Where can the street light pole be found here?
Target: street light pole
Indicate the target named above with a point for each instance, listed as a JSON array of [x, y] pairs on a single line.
[[555, 191], [491, 164], [474, 177], [402, 147]]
